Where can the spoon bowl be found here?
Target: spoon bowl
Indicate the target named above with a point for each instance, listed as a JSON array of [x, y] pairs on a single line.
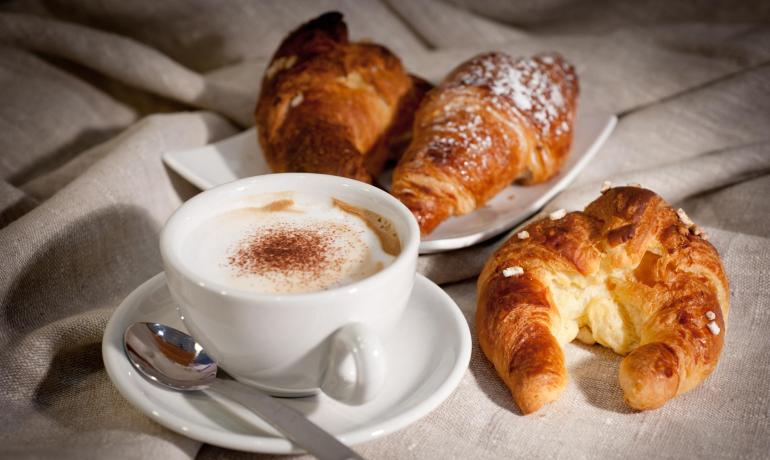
[[169, 356]]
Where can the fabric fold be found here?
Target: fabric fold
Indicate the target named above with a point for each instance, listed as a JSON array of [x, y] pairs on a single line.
[[125, 60]]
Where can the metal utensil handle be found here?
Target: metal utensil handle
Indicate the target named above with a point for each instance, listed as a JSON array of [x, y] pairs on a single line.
[[293, 424]]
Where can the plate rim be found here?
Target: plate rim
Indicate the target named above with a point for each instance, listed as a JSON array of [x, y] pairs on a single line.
[[171, 159], [116, 363]]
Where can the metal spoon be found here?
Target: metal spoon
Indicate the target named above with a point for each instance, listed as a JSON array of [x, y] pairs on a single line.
[[173, 359]]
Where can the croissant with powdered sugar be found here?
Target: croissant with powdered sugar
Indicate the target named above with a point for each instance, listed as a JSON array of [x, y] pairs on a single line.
[[492, 121]]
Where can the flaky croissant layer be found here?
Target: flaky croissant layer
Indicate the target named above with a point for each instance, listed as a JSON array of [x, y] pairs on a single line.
[[628, 273]]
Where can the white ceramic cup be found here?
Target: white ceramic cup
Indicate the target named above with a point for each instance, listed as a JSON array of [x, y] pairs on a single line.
[[295, 344]]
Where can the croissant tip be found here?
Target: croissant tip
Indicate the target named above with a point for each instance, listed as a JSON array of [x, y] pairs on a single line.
[[332, 22], [329, 17], [536, 401], [330, 25]]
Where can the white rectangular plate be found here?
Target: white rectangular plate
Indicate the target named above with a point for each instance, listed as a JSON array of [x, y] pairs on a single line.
[[240, 156]]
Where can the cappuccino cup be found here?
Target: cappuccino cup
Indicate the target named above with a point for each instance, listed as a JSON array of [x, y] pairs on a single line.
[[292, 281]]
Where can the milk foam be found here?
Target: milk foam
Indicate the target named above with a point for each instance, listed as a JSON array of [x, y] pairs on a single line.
[[246, 247]]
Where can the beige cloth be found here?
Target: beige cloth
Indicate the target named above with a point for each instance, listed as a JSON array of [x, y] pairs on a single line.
[[83, 194]]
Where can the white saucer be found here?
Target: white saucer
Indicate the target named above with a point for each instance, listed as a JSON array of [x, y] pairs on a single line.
[[428, 355], [240, 156]]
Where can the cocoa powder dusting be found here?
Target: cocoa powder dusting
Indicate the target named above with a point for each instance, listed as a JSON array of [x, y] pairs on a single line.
[[287, 250]]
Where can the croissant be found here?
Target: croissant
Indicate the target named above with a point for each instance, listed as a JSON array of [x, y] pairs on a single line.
[[492, 121], [335, 107], [629, 273]]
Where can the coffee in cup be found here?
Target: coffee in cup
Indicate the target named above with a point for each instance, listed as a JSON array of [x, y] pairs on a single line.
[[291, 242]]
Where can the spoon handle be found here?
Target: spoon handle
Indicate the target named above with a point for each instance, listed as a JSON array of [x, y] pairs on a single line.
[[293, 424]]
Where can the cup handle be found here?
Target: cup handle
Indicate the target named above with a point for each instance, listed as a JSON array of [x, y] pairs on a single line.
[[355, 372]]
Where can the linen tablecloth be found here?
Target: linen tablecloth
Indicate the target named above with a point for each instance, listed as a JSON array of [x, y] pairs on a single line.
[[94, 91]]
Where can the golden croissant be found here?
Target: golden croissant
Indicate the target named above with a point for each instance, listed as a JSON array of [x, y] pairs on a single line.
[[492, 121], [630, 273], [335, 107]]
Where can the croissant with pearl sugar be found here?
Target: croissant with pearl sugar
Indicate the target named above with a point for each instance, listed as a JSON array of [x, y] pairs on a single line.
[[629, 273]]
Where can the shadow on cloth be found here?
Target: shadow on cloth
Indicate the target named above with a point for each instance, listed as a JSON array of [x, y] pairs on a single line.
[[488, 380], [90, 263], [15, 203], [595, 376], [76, 383], [69, 368], [59, 156], [184, 189]]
